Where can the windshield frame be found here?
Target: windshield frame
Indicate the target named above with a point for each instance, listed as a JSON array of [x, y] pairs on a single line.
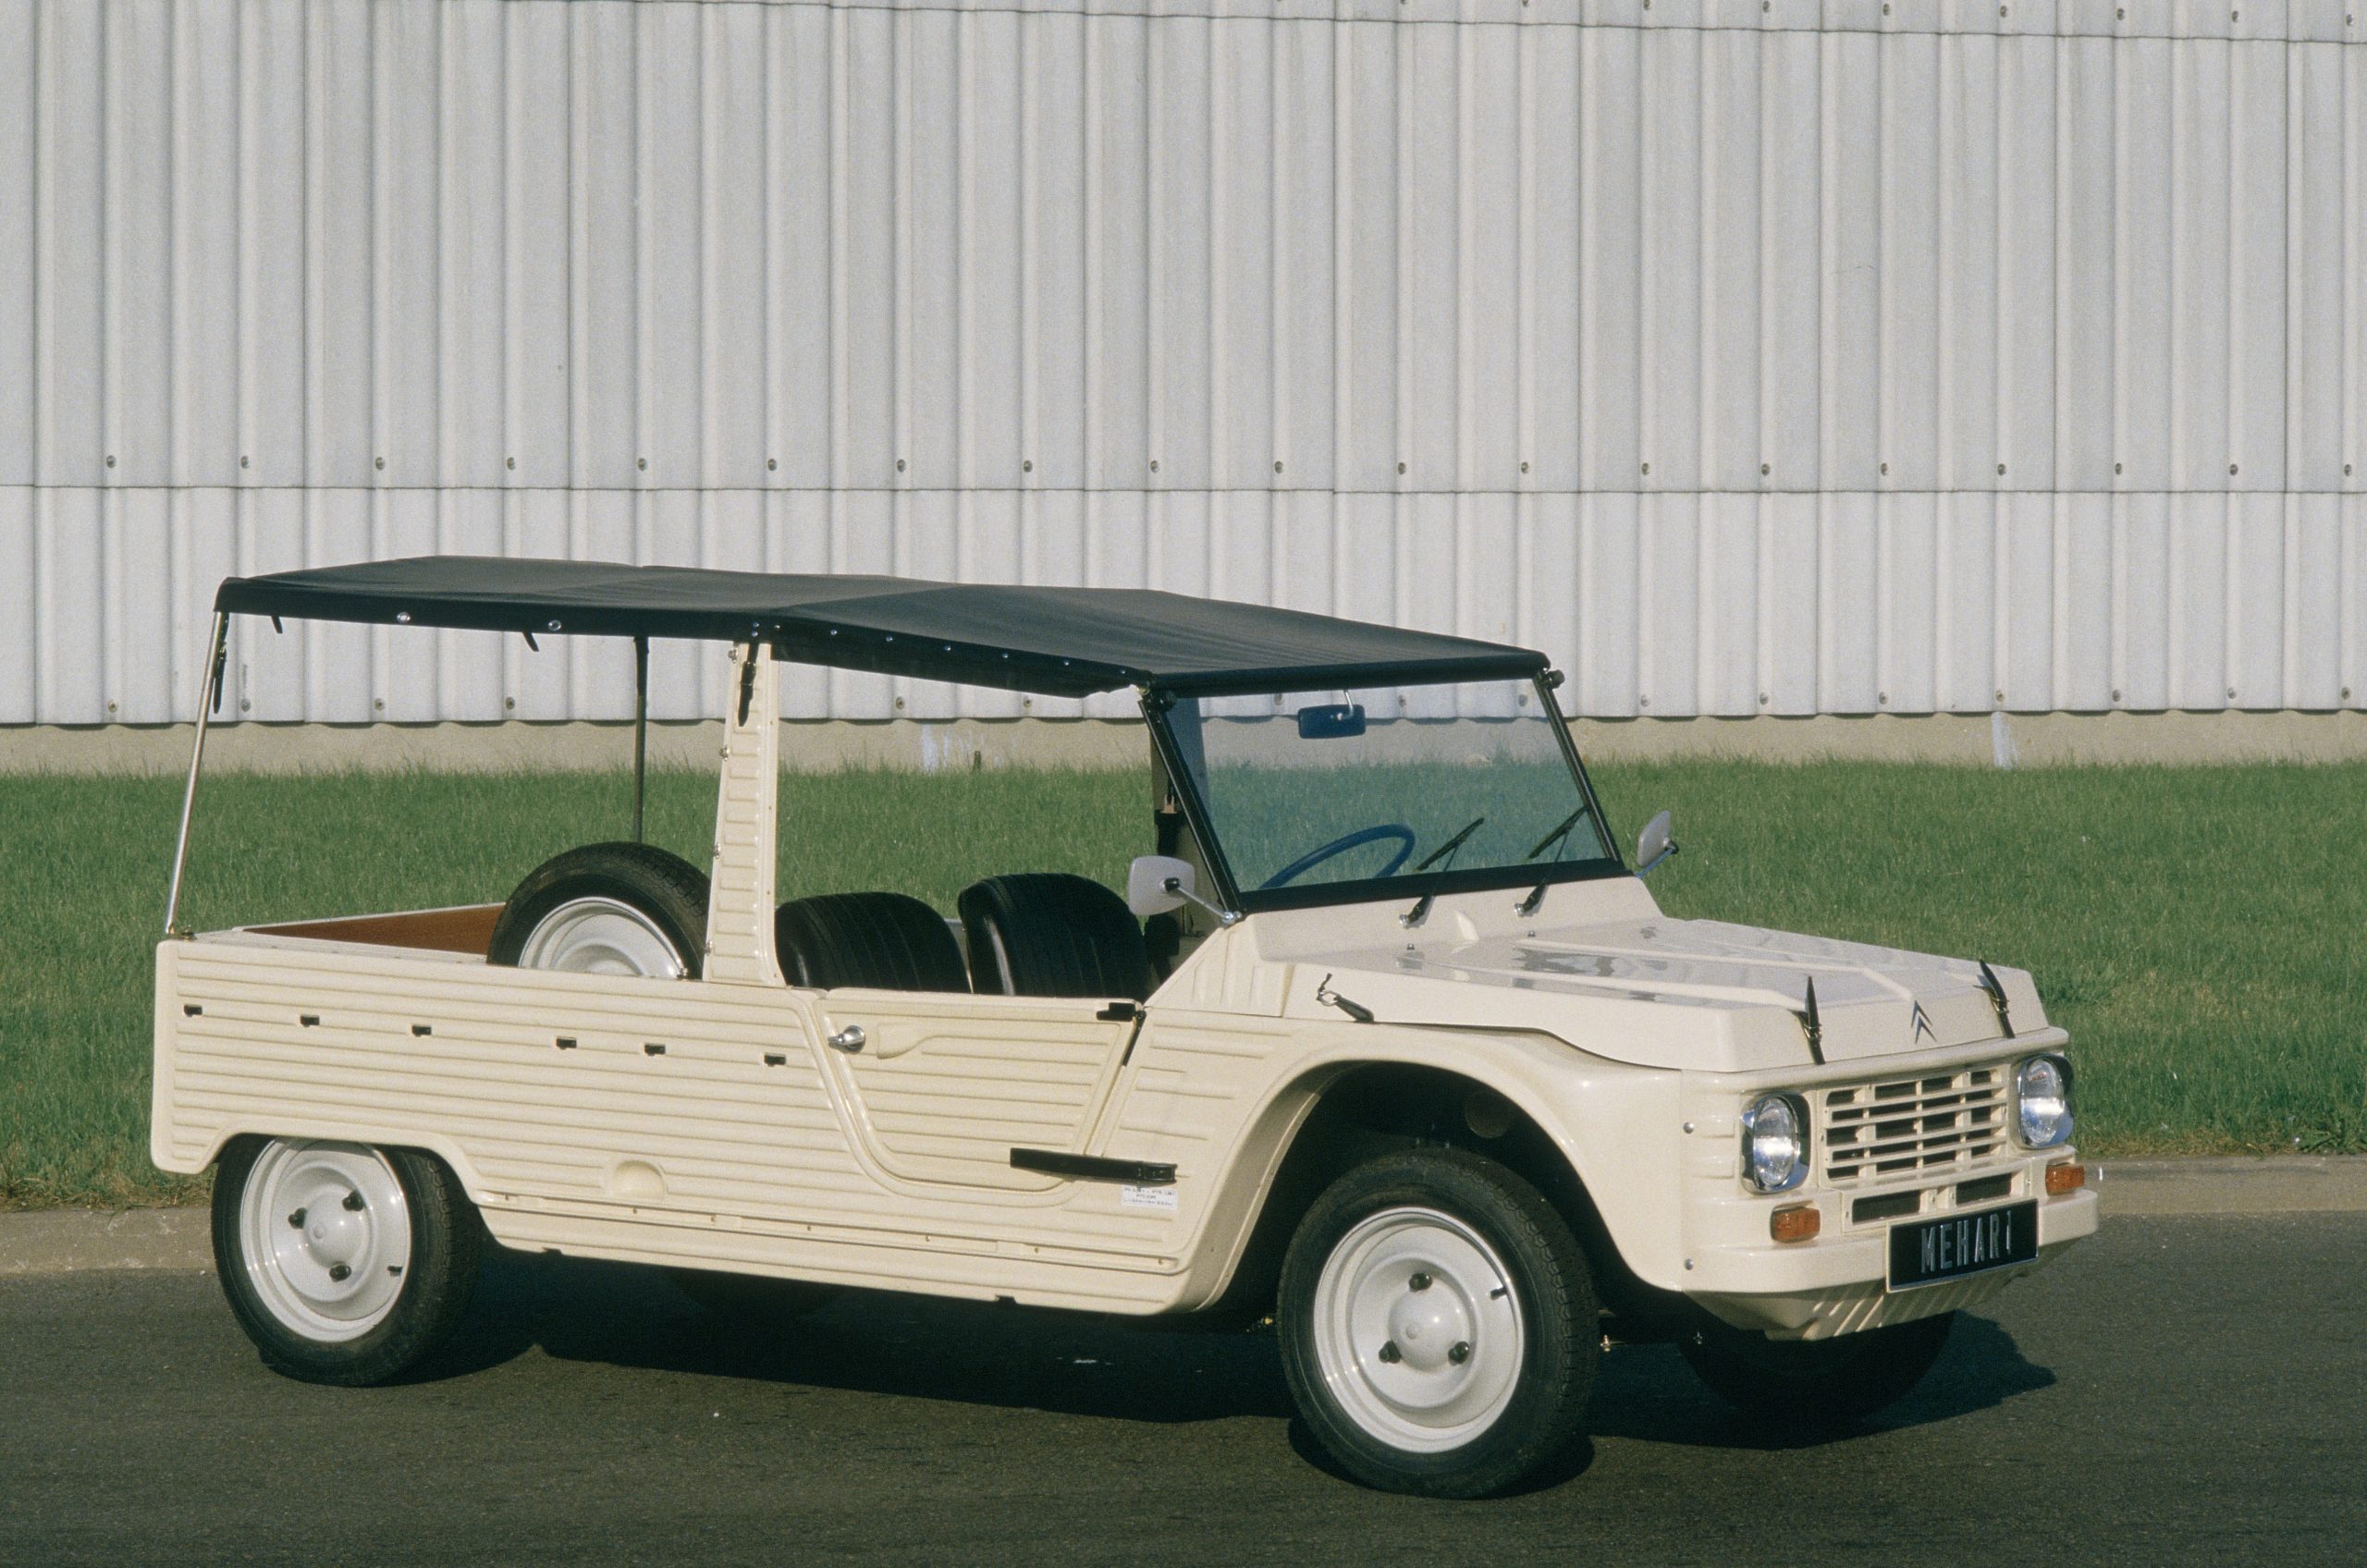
[[1157, 712]]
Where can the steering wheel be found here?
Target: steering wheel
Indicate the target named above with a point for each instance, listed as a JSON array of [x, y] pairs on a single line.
[[1341, 845]]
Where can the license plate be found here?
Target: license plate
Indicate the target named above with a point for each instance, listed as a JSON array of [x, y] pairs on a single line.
[[1928, 1251]]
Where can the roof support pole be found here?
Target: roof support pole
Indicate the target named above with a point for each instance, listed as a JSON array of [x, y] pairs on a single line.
[[209, 697], [640, 729]]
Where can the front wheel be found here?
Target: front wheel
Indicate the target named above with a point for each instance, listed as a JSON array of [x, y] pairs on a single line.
[[1826, 1384], [344, 1263], [1438, 1325]]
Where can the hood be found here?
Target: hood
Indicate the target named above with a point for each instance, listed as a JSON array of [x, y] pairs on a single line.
[[1690, 994]]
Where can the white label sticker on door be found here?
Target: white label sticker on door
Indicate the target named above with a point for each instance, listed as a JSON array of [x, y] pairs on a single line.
[[1159, 1198]]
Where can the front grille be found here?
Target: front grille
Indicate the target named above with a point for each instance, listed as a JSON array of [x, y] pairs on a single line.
[[1909, 1128]]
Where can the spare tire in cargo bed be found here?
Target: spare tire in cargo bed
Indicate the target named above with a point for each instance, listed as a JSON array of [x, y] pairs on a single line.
[[607, 909]]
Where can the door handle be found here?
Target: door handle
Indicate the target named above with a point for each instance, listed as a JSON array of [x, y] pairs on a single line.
[[849, 1039]]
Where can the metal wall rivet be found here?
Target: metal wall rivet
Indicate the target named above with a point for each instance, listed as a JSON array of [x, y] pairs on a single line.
[[2001, 468], [2231, 468], [1401, 468], [1643, 701], [1278, 465], [1881, 698], [110, 707], [1027, 465], [900, 465], [242, 461], [771, 464], [508, 703], [1648, 468], [2115, 468], [2231, 693], [2116, 693], [1762, 697], [111, 460], [511, 462], [1524, 468], [380, 705], [1885, 468], [1154, 465], [2001, 695], [1765, 469], [641, 463], [381, 462]]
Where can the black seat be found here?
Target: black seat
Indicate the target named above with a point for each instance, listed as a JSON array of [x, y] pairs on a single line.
[[1047, 934], [884, 940]]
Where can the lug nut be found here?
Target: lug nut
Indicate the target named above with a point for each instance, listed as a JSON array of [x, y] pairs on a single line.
[[1420, 1281], [1390, 1352], [340, 1272], [353, 1202], [297, 1220], [1460, 1353]]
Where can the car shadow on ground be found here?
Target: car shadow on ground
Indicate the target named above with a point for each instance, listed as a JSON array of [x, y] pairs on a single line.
[[1079, 1364], [1647, 1392]]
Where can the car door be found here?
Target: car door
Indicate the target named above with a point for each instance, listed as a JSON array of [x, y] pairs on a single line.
[[942, 1088]]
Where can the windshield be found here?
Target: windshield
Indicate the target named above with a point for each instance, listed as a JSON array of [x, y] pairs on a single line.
[[1316, 789]]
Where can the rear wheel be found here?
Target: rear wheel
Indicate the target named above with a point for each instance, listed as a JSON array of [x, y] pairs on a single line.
[[344, 1263], [1824, 1383], [607, 909], [1438, 1326]]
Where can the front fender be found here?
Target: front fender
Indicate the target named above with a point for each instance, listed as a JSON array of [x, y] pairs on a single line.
[[1617, 1125]]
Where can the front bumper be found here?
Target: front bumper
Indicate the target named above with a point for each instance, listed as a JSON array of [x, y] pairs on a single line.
[[1835, 1284]]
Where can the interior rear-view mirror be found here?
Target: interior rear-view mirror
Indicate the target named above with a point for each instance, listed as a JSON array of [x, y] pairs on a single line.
[[1331, 722]]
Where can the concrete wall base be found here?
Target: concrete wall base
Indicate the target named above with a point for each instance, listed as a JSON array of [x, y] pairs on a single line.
[[2052, 740]]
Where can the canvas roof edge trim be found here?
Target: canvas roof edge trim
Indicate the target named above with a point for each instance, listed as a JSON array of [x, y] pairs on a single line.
[[1062, 641]]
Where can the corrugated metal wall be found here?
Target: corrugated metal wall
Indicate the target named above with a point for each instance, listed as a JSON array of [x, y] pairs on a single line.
[[1781, 357]]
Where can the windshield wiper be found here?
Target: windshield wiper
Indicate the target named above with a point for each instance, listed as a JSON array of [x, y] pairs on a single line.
[[1445, 852], [1560, 835], [1452, 845]]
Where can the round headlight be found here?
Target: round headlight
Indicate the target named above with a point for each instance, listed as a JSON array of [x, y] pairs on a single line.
[[1775, 1143], [2042, 1101]]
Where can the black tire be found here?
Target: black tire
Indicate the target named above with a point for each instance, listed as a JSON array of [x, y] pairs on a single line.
[[667, 890], [750, 1299], [1825, 1384], [1553, 1356], [438, 1266]]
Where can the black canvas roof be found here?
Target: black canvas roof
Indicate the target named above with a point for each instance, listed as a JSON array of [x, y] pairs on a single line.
[[1061, 642]]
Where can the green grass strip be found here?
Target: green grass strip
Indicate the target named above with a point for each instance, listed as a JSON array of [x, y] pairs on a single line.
[[2197, 930]]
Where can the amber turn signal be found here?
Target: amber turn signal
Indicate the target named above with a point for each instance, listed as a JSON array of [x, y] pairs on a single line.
[[2065, 1176], [1797, 1223]]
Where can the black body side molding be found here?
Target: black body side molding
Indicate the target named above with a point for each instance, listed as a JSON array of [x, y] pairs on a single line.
[[1093, 1167]]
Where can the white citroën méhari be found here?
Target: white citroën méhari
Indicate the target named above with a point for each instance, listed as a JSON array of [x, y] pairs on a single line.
[[1386, 1042]]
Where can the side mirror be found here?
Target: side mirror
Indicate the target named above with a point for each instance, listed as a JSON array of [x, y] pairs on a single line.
[[1146, 879], [1653, 845]]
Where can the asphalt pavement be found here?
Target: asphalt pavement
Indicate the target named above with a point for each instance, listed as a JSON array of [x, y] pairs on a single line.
[[2177, 1389]]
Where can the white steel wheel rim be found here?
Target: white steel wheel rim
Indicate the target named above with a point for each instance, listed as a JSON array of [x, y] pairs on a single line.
[[601, 937], [327, 1237], [1418, 1330]]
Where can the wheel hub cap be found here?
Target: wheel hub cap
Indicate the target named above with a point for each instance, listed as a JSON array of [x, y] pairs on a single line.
[[601, 937], [327, 1237], [1418, 1330]]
